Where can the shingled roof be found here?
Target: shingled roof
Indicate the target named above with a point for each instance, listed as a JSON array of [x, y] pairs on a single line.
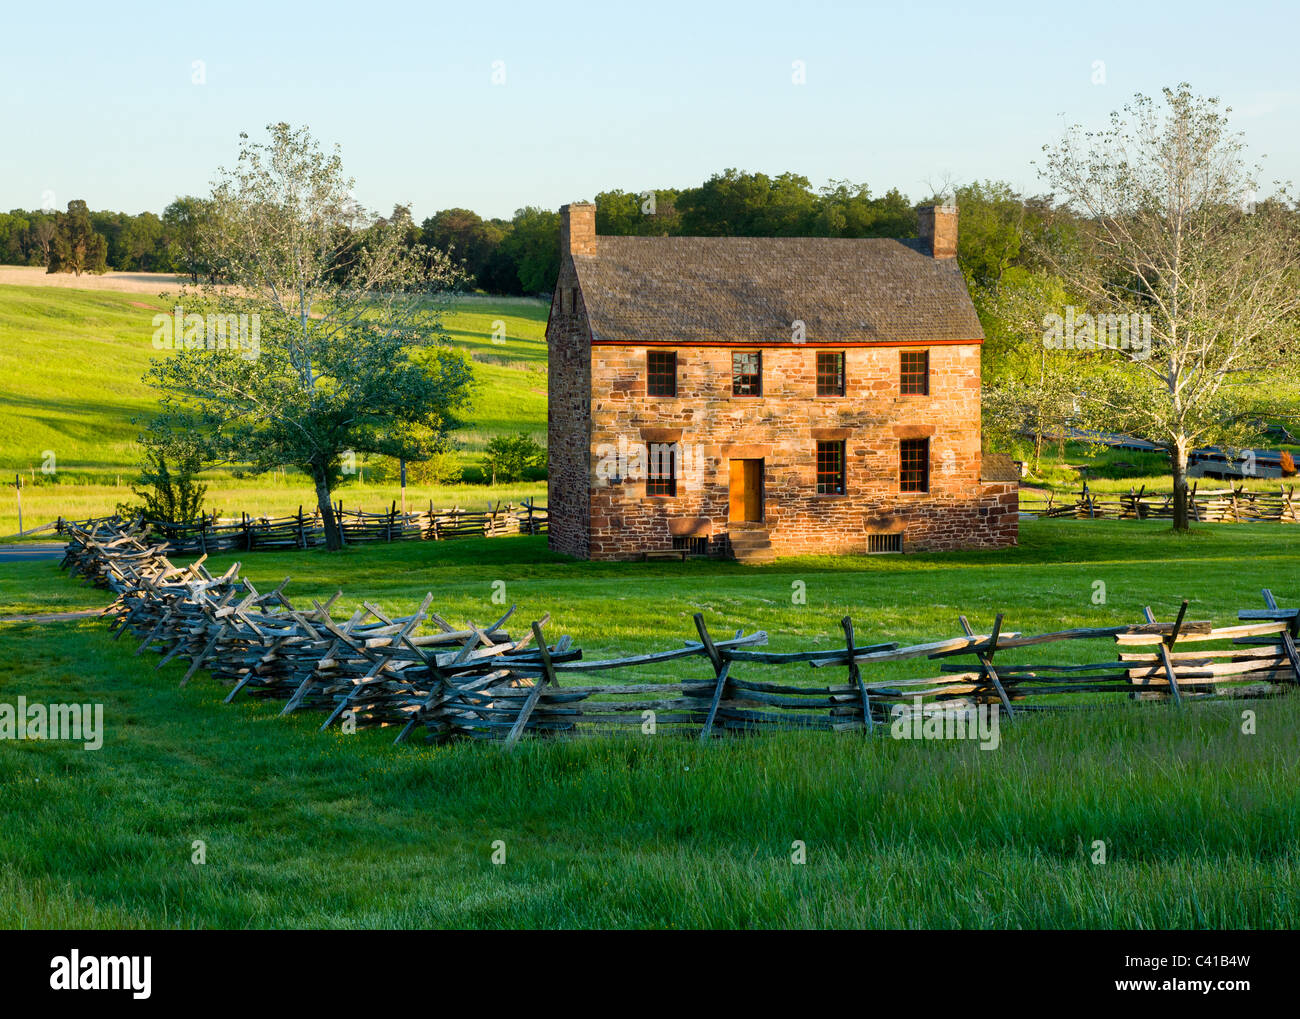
[[751, 290]]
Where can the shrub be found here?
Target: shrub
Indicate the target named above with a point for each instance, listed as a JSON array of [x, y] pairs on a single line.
[[442, 468], [167, 488], [512, 458]]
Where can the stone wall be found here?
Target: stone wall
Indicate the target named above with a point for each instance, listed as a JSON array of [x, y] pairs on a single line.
[[782, 427], [568, 417]]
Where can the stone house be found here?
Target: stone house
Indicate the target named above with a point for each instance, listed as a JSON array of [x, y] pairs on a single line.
[[752, 397]]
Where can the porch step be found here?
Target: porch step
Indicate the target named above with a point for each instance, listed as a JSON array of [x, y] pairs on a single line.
[[750, 544]]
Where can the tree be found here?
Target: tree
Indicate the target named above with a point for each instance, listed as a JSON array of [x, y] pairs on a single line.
[[465, 237], [637, 213], [142, 244], [534, 245], [739, 204], [167, 488], [511, 457], [1029, 388], [76, 247], [350, 356], [185, 221], [43, 231], [848, 210], [1171, 233]]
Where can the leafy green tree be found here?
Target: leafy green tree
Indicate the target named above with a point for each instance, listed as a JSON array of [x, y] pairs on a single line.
[[740, 204], [167, 489], [1030, 388], [464, 236], [185, 222], [351, 356], [442, 467], [76, 247], [142, 244], [637, 214], [848, 210], [512, 457], [534, 245]]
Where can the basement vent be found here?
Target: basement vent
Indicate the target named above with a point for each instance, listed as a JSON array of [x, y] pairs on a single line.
[[878, 544], [692, 545]]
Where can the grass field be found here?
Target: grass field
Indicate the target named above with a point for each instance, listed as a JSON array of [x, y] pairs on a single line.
[[1200, 821], [72, 363]]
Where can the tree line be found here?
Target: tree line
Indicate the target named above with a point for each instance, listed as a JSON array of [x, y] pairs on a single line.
[[513, 256]]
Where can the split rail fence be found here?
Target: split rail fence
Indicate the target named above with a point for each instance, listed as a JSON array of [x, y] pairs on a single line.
[[1233, 505], [369, 668], [211, 534]]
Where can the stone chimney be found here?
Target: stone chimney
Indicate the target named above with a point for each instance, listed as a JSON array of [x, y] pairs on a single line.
[[937, 229], [578, 229]]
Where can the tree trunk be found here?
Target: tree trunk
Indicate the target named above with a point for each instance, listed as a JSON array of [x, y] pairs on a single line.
[[324, 499], [1178, 457]]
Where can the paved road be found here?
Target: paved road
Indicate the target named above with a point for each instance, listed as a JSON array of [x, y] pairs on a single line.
[[29, 551]]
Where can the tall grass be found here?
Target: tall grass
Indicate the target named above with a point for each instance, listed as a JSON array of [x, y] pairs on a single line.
[[1199, 821]]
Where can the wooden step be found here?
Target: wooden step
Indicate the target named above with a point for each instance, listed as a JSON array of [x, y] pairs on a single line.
[[750, 543]]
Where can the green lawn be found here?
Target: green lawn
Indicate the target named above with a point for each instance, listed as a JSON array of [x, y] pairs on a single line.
[[71, 379], [1199, 820]]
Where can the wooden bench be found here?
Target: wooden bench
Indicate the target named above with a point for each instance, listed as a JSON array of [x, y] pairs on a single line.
[[664, 553]]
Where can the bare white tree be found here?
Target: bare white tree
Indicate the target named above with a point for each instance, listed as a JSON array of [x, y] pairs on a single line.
[[1173, 230]]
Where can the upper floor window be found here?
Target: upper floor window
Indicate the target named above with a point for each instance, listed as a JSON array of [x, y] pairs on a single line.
[[914, 465], [661, 373], [747, 373], [661, 478], [830, 468], [914, 372], [830, 373]]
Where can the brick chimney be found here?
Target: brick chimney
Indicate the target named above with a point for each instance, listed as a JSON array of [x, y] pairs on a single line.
[[937, 228], [578, 229]]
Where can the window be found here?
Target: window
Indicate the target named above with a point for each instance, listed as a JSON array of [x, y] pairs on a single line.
[[830, 373], [747, 373], [830, 468], [692, 544], [914, 465], [891, 541], [661, 479], [914, 372], [661, 373]]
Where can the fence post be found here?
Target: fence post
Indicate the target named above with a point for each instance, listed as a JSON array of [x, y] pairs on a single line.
[[720, 670], [855, 674], [1166, 643], [530, 702], [985, 658]]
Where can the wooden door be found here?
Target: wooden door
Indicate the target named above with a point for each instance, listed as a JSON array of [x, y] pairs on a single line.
[[746, 490]]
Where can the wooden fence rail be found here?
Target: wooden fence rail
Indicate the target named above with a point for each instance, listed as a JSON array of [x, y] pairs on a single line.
[[1235, 504], [477, 681], [210, 534]]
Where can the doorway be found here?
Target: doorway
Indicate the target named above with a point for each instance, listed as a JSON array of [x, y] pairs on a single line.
[[746, 491]]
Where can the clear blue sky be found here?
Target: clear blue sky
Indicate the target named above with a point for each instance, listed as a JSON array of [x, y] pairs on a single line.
[[99, 101]]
